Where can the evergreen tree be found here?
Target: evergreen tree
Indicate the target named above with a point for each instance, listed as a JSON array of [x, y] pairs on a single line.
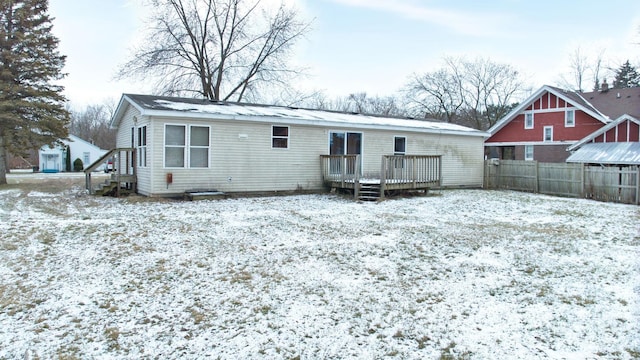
[[626, 77], [32, 110]]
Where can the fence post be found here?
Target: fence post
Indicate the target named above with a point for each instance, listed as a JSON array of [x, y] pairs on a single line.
[[582, 180], [537, 184], [637, 185]]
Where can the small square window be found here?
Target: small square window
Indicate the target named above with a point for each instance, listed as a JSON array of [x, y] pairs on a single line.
[[528, 120], [280, 137]]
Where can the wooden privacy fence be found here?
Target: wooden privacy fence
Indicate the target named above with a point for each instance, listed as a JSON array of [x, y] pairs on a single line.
[[604, 183]]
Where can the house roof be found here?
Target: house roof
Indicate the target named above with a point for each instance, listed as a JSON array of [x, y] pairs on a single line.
[[603, 130], [574, 98], [627, 153], [616, 102], [203, 109]]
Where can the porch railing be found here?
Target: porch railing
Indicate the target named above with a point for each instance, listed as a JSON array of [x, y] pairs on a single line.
[[397, 172], [341, 168], [124, 168]]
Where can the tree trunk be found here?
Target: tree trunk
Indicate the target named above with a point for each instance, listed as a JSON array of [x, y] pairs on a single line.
[[3, 161]]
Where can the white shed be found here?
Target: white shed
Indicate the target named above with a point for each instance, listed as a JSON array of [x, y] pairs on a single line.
[[181, 144]]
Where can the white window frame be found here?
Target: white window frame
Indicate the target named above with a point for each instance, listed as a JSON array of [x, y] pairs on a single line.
[[142, 146], [573, 118], [280, 137], [526, 125], [544, 134], [187, 147], [395, 150], [86, 157], [528, 152], [193, 147]]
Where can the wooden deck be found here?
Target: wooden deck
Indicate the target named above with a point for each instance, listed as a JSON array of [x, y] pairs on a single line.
[[397, 173]]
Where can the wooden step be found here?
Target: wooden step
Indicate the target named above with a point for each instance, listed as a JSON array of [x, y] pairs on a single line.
[[369, 192]]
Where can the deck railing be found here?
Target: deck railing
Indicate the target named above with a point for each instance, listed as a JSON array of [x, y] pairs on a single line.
[[397, 172], [341, 168], [124, 168]]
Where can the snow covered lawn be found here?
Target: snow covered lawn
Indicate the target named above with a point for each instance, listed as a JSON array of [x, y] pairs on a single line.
[[457, 274]]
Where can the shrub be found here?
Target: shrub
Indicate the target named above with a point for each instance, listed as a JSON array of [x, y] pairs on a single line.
[[77, 165]]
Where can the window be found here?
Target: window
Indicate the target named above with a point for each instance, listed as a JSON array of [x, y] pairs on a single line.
[[528, 152], [570, 118], [280, 137], [399, 145], [528, 120], [199, 147], [174, 145], [178, 152], [142, 146], [86, 156], [548, 133]]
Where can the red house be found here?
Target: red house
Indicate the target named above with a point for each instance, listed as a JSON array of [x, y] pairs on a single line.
[[552, 122]]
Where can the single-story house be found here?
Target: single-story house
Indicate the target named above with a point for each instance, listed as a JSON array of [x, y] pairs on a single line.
[[53, 158], [181, 144]]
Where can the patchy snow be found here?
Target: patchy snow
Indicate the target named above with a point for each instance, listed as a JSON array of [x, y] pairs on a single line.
[[473, 274], [311, 116]]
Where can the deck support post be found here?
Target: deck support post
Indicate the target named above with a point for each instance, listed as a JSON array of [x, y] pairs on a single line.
[[383, 175]]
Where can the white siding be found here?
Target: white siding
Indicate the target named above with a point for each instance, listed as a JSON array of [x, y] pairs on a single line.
[[241, 158]]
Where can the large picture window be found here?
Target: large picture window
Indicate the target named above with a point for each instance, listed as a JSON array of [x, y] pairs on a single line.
[[186, 145]]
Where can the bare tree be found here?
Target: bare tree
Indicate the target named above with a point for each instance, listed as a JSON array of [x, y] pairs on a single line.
[[356, 103], [472, 93], [92, 124], [437, 94], [217, 49], [583, 67]]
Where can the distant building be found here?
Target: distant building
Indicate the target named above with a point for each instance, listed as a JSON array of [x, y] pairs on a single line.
[[553, 122], [53, 159]]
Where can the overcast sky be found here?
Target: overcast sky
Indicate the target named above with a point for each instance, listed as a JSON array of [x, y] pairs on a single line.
[[373, 46]]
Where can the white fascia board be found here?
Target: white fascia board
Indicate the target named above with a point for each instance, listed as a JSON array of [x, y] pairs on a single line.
[[522, 143], [603, 130], [119, 113], [305, 122]]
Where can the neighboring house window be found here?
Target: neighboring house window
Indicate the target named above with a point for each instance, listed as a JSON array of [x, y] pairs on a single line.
[[399, 145], [528, 120], [199, 147], [280, 137], [86, 157], [528, 152], [142, 146], [174, 145], [548, 133], [570, 118]]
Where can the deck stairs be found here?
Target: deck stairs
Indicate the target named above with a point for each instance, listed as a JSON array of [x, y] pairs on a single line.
[[110, 188], [369, 192]]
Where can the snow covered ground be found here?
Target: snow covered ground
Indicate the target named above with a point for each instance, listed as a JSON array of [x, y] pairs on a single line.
[[457, 274]]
